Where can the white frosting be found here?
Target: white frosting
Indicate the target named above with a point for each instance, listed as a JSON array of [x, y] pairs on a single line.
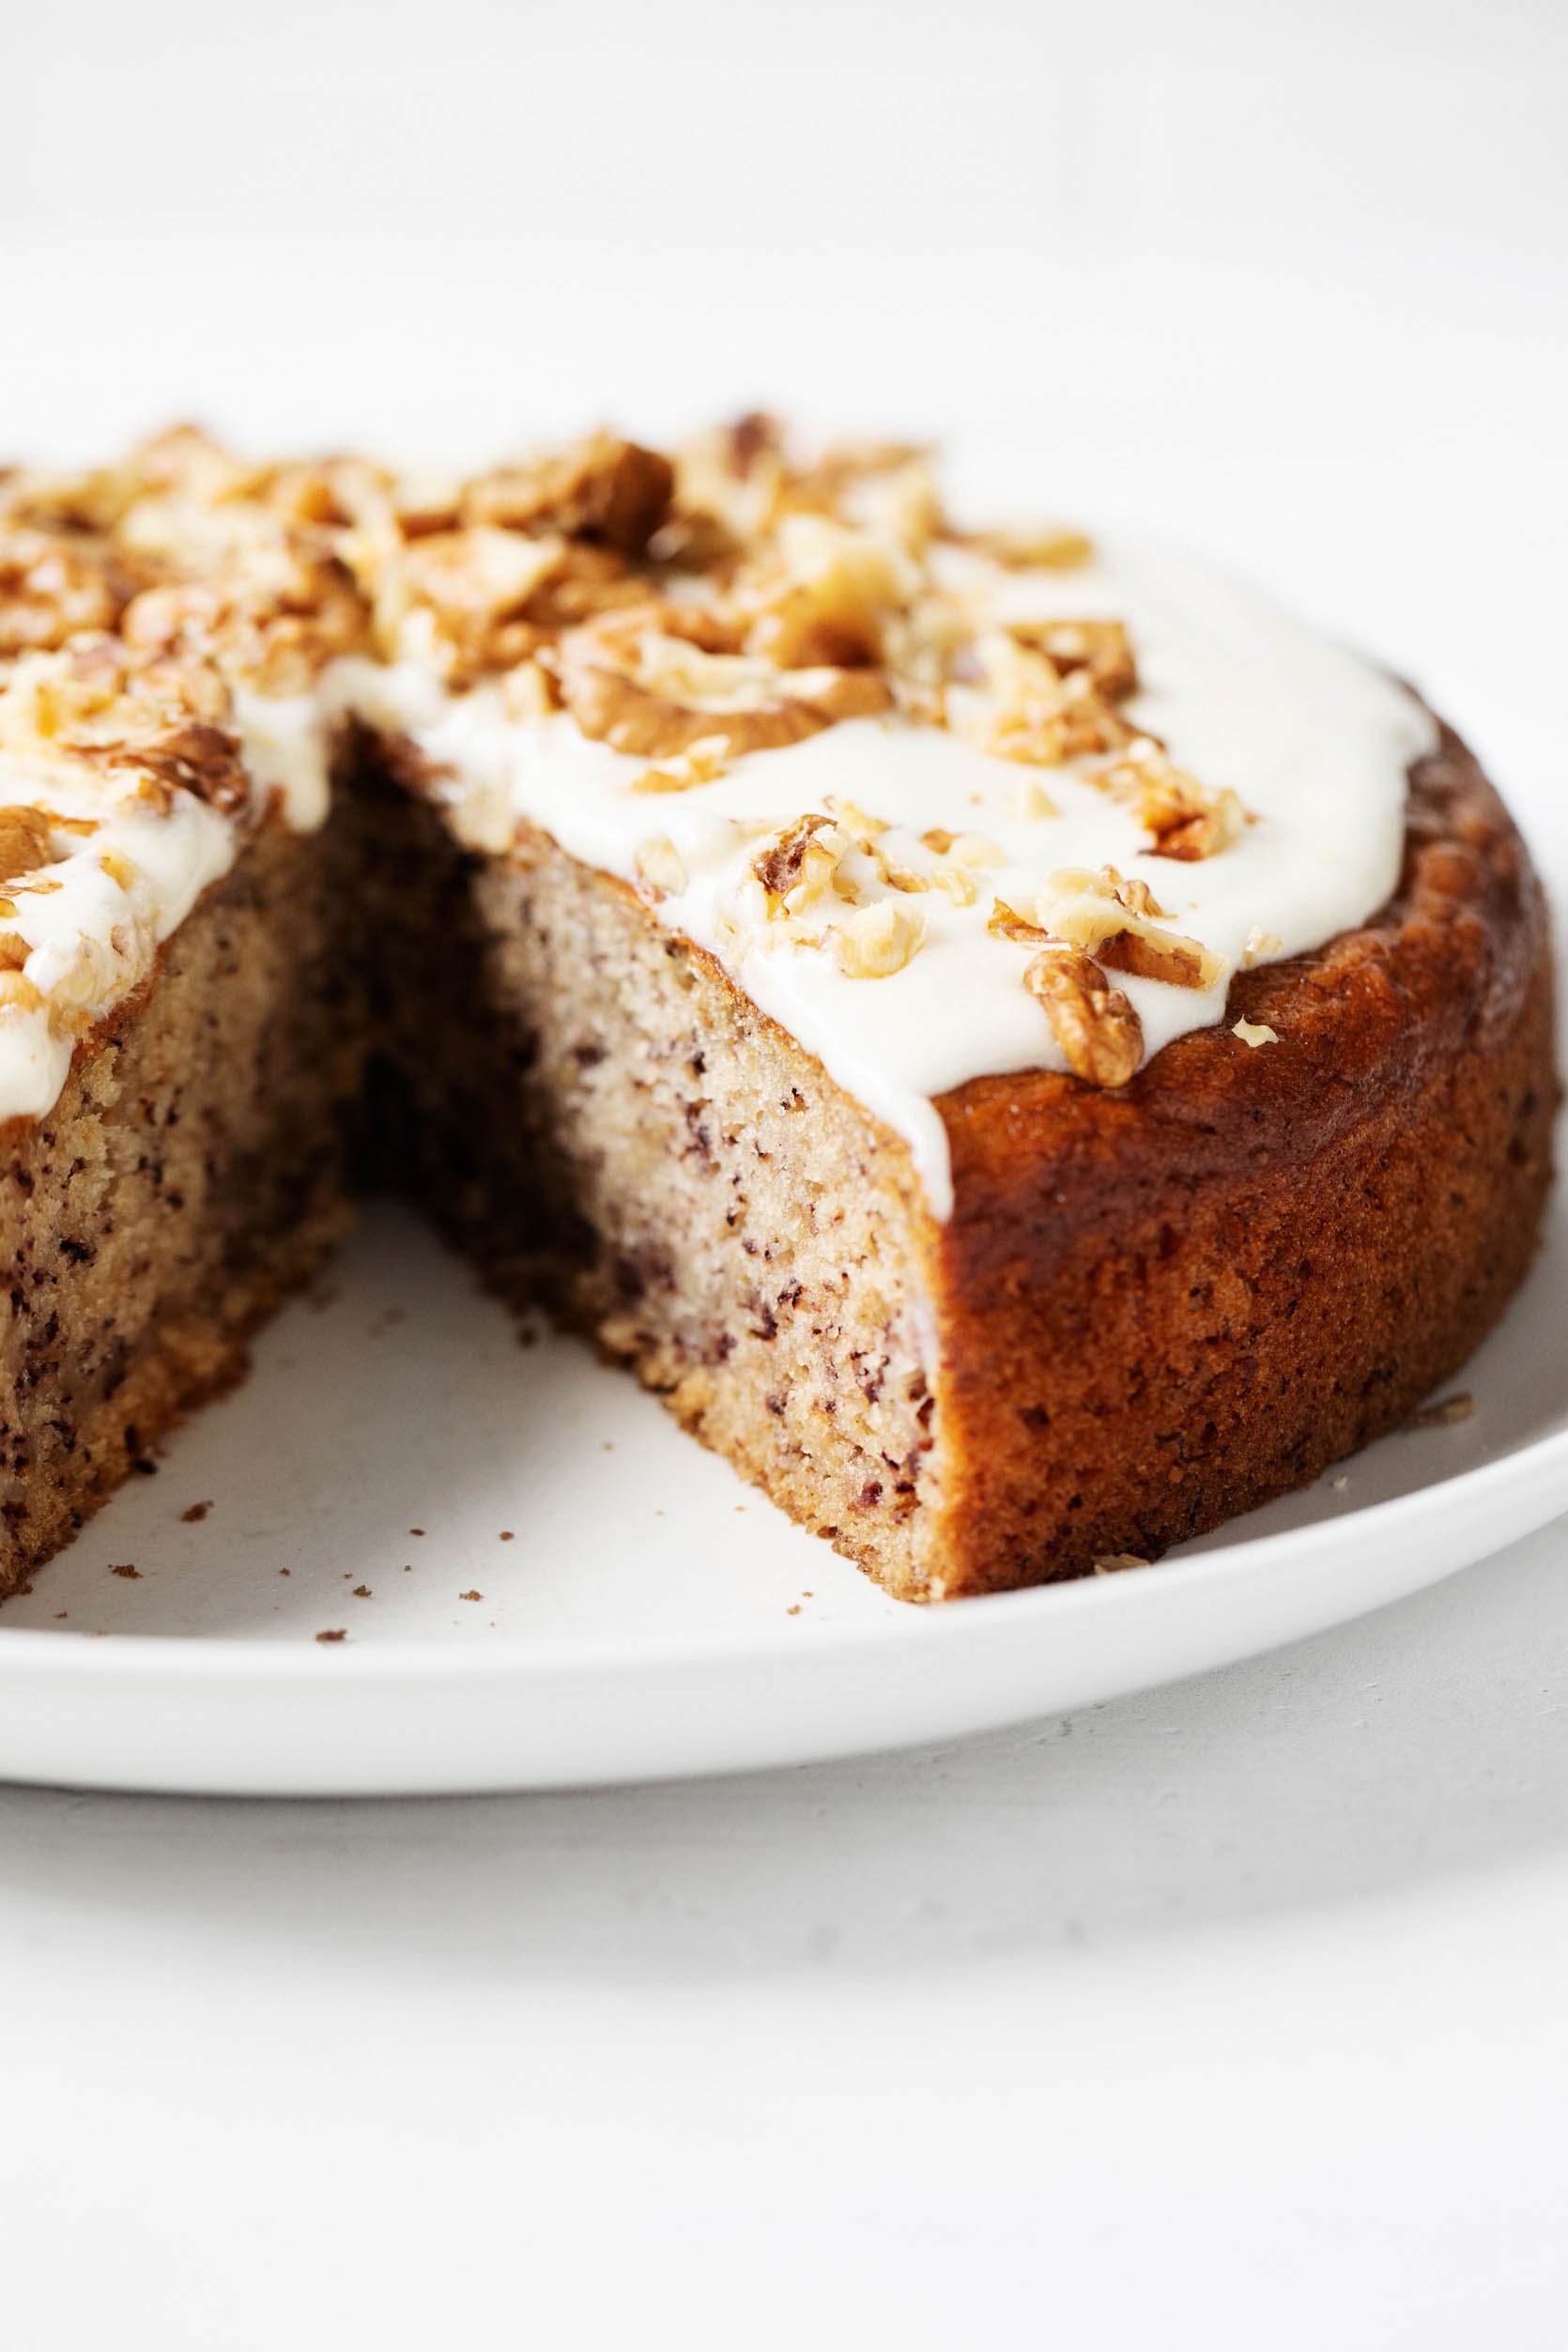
[[1316, 741], [93, 927]]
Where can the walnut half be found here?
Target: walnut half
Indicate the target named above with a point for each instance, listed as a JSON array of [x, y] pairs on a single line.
[[1092, 1022]]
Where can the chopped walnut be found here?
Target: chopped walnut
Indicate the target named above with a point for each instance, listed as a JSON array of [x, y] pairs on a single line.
[[825, 598], [876, 941], [661, 867], [642, 682], [1094, 1025], [528, 692], [1187, 820], [894, 872], [1030, 801], [1127, 890], [1004, 922], [956, 881], [478, 577], [800, 861], [702, 764], [195, 759], [1031, 708], [24, 842], [1255, 1033], [854, 819], [1259, 947], [49, 588], [1093, 913], [1099, 649], [603, 489]]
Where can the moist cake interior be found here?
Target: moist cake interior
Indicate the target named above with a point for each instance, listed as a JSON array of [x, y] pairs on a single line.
[[596, 1115]]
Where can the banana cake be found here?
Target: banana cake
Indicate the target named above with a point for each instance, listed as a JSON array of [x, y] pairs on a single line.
[[1025, 1048]]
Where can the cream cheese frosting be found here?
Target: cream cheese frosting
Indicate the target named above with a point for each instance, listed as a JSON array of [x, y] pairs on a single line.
[[1317, 741], [936, 829]]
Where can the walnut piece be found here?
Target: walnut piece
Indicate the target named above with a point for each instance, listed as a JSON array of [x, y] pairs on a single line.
[[1099, 912], [1188, 822], [661, 867], [51, 589], [24, 841], [876, 941], [643, 681], [603, 489], [1099, 649], [1005, 922], [799, 862], [1094, 1025], [1033, 708], [197, 758], [703, 763]]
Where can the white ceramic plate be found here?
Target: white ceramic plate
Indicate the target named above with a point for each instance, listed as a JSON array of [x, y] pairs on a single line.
[[593, 1599]]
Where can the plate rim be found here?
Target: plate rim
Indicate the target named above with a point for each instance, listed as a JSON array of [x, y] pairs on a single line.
[[39, 1651]]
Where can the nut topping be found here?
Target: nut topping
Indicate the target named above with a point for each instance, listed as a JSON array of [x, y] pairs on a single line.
[[1188, 822], [1094, 1025], [1106, 915], [24, 842]]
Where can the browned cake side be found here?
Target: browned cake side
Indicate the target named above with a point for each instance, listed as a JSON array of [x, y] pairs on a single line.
[[1151, 1309], [1162, 1306], [191, 1173]]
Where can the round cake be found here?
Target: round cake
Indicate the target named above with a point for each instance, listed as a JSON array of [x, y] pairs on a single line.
[[1027, 1049]]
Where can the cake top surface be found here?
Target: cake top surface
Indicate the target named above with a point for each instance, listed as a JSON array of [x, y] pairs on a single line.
[[946, 801]]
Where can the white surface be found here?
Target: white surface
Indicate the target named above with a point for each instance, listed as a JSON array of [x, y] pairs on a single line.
[[1231, 2017]]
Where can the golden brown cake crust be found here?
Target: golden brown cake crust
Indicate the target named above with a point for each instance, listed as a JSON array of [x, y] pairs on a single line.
[[1164, 1305]]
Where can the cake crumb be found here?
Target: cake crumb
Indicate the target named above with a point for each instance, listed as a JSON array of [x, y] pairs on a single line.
[[1341, 1483], [415, 1531], [471, 1596], [793, 1610], [60, 1612], [362, 1593], [127, 1570], [505, 1535], [334, 1632], [1446, 1414], [283, 1571], [198, 1511]]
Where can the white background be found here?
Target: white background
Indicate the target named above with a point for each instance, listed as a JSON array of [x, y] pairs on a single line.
[[1231, 2016]]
